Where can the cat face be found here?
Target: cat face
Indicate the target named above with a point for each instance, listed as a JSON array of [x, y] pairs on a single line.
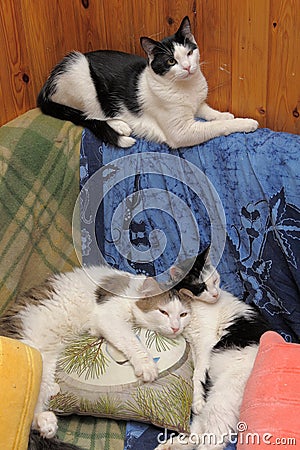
[[202, 282], [165, 313], [211, 291], [175, 57]]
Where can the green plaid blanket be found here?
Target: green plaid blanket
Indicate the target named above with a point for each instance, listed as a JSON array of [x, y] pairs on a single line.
[[92, 433], [38, 188], [39, 184]]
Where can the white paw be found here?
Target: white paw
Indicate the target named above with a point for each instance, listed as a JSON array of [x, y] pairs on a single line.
[[46, 423], [225, 116], [147, 370], [125, 141], [246, 125], [198, 402], [120, 127], [164, 447], [177, 443]]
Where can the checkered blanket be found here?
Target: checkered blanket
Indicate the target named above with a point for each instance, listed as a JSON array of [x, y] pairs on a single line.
[[38, 188], [39, 184]]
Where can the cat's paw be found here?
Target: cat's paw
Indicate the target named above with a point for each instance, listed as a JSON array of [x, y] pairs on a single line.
[[146, 369], [125, 141], [246, 125], [197, 405], [120, 127], [224, 116], [178, 443], [46, 423]]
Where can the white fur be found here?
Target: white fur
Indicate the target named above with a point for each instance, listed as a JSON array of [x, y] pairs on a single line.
[[228, 369], [170, 103], [73, 309]]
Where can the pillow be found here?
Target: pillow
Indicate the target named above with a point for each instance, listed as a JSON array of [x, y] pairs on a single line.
[[20, 375], [270, 411], [94, 378]]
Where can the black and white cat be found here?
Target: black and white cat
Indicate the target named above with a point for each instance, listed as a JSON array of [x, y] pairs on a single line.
[[117, 94], [224, 334], [102, 301]]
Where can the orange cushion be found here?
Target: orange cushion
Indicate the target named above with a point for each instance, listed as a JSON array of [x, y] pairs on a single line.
[[20, 378], [270, 412]]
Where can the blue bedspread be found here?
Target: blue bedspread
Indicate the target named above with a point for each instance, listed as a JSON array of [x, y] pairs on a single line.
[[150, 207]]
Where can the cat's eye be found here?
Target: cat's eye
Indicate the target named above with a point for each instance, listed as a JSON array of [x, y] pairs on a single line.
[[164, 312], [171, 61], [190, 52], [183, 314]]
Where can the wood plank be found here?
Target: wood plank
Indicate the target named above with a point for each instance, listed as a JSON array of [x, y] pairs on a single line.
[[284, 67], [251, 48], [14, 80], [216, 52], [250, 20]]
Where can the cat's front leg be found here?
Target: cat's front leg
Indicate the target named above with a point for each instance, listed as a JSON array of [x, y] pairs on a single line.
[[46, 423], [206, 112], [201, 351], [122, 337]]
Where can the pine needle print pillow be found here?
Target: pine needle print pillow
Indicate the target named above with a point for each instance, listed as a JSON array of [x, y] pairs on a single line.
[[95, 379]]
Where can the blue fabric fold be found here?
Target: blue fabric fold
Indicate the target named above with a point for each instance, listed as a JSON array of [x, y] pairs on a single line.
[[148, 207]]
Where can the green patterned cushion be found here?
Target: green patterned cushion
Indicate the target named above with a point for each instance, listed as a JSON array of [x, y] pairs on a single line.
[[94, 378]]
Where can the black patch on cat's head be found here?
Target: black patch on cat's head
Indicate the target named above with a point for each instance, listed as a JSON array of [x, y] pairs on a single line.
[[161, 53], [191, 280]]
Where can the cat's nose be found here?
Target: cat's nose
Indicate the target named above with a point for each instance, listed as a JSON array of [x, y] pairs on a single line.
[[188, 68], [175, 329]]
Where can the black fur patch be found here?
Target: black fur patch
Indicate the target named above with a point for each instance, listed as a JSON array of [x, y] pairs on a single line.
[[243, 332], [207, 385], [36, 442], [115, 76]]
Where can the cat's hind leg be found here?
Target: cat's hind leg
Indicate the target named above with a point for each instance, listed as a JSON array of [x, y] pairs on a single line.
[[217, 422], [124, 131], [120, 126]]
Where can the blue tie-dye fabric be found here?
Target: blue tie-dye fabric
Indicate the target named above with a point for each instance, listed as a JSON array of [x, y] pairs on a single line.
[[160, 203]]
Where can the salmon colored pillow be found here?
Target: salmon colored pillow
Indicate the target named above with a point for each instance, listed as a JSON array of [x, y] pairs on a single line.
[[270, 411]]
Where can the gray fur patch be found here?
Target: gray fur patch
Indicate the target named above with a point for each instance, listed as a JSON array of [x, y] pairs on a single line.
[[111, 286], [151, 303], [10, 321]]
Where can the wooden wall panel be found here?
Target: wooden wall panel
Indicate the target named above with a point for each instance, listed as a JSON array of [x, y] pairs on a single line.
[[215, 51], [284, 68], [250, 50], [250, 58]]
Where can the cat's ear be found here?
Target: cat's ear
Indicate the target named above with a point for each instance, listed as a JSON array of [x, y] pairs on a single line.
[[186, 294], [202, 259], [151, 287], [185, 29], [148, 45], [176, 273]]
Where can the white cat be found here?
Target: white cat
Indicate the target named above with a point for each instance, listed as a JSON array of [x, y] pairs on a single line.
[[117, 94], [102, 301], [224, 334]]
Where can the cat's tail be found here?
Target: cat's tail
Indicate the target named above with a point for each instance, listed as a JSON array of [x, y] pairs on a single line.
[[99, 128], [37, 442]]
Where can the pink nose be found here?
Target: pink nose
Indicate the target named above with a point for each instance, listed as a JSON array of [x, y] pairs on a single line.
[[175, 330], [187, 68]]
